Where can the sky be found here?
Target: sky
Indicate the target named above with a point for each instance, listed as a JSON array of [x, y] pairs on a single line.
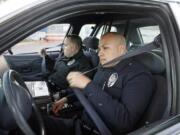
[[9, 6]]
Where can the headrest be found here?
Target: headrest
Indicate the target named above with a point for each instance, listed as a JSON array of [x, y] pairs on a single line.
[[152, 61], [157, 40], [91, 42]]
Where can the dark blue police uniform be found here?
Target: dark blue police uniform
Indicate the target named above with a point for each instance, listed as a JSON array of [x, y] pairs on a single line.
[[63, 65], [119, 94]]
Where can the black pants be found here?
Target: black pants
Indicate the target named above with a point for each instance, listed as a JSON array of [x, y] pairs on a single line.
[[61, 126], [56, 126]]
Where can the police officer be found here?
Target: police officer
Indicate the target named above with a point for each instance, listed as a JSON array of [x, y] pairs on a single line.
[[72, 60], [120, 92]]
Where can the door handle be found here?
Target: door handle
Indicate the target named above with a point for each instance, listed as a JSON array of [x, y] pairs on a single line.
[[26, 69]]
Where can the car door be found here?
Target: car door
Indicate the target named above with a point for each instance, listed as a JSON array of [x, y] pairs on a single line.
[[26, 57], [29, 66]]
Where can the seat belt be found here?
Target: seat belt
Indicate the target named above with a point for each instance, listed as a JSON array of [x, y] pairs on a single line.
[[92, 113], [143, 49], [43, 66], [103, 129], [136, 52]]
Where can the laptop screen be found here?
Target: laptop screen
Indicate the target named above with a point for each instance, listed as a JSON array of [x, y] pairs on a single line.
[[37, 88]]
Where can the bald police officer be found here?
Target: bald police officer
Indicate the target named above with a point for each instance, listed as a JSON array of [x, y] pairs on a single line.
[[120, 92]]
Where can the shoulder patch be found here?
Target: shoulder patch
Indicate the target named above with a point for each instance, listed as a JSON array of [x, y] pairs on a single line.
[[71, 62], [112, 79]]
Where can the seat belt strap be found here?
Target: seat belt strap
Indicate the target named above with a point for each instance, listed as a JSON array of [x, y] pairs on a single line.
[[143, 49], [136, 52], [91, 112]]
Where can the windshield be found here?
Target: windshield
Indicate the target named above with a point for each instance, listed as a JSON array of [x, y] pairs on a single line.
[[9, 8]]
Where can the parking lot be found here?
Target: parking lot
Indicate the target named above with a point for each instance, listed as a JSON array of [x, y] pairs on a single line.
[[33, 46]]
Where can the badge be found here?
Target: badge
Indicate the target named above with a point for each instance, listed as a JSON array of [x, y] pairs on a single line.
[[112, 79], [71, 62]]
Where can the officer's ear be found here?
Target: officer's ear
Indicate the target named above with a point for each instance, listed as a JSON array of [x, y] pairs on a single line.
[[122, 49]]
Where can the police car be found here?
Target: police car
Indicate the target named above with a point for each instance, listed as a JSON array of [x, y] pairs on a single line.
[[44, 24]]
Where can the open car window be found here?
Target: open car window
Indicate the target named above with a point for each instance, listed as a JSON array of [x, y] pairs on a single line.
[[102, 31], [148, 33], [86, 30], [49, 37], [141, 32]]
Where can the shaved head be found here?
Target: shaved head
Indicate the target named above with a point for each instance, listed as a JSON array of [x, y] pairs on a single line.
[[114, 38], [111, 46]]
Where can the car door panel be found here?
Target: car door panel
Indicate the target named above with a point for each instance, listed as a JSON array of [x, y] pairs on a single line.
[[29, 66]]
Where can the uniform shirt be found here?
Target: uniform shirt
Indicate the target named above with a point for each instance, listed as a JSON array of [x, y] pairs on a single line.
[[120, 95], [64, 65]]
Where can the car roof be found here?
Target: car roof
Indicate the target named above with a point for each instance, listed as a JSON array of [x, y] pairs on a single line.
[[168, 0], [19, 9]]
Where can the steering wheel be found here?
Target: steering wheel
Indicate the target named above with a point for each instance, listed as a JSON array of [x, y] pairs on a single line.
[[20, 102]]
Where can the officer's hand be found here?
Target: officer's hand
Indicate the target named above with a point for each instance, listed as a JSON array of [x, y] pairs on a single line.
[[43, 52], [58, 105], [77, 80]]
